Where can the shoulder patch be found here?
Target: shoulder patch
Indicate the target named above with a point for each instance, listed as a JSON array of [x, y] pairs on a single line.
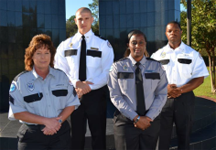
[[12, 87], [15, 79]]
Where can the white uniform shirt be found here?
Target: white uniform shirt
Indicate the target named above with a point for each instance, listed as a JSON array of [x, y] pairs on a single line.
[[182, 64], [98, 60], [122, 86], [47, 98]]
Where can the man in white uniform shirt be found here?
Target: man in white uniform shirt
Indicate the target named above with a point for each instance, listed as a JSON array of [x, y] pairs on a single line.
[[185, 70], [86, 59]]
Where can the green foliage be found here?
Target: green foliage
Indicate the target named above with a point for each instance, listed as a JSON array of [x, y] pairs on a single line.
[[203, 26], [71, 27], [94, 6]]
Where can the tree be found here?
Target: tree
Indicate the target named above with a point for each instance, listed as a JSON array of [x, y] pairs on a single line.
[[71, 27], [94, 6], [203, 31]]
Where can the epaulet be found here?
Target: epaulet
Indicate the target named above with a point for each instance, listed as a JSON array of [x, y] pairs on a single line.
[[100, 37], [148, 58], [15, 79], [122, 59], [59, 70]]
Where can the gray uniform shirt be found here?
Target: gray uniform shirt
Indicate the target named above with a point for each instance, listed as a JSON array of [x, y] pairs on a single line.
[[123, 89], [47, 98]]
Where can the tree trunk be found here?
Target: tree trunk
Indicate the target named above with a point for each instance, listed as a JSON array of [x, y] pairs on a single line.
[[212, 70]]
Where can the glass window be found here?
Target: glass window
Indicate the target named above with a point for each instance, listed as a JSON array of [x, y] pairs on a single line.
[[130, 21], [32, 6], [3, 4], [25, 6], [137, 20], [47, 21], [10, 5], [55, 21], [40, 7], [123, 21], [54, 7], [143, 18], [129, 7], [62, 22], [102, 8], [26, 19], [151, 19], [18, 5], [61, 5], [116, 21], [158, 18], [4, 34], [62, 35], [40, 20], [19, 35], [3, 16], [122, 7], [150, 34], [102, 21], [109, 8], [136, 7], [143, 6], [55, 37], [115, 5], [177, 5], [11, 34], [150, 5], [109, 22], [18, 19], [47, 5], [11, 18]]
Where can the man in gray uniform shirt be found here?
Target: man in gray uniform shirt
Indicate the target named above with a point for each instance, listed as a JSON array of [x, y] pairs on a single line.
[[138, 90]]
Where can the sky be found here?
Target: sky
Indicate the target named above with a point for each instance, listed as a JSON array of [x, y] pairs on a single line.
[[73, 5]]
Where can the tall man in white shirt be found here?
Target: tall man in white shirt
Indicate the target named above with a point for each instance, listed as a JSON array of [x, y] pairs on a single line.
[[86, 59], [185, 70]]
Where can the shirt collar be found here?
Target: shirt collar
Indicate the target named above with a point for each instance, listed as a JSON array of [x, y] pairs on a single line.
[[36, 76], [87, 35], [180, 48], [142, 61]]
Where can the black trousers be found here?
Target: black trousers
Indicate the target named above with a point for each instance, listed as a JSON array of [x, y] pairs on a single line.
[[127, 137], [30, 137], [93, 109], [179, 111]]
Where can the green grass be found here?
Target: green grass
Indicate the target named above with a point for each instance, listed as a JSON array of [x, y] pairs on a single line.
[[205, 89]]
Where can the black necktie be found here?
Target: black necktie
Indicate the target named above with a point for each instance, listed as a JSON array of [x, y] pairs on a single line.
[[139, 91], [82, 67]]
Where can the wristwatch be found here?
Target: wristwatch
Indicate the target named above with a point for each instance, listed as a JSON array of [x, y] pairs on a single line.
[[137, 119]]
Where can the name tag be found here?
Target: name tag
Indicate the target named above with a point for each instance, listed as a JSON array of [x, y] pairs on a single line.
[[153, 75], [70, 52], [125, 75]]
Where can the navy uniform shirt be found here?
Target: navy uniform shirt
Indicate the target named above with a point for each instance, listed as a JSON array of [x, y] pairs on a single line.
[[123, 89], [182, 64], [98, 60], [47, 98]]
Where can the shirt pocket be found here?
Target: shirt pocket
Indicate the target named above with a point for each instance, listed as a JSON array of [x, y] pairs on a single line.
[[152, 79], [185, 67], [32, 99], [59, 94], [93, 58], [126, 80]]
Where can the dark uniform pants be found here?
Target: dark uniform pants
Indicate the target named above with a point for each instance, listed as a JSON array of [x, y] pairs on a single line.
[[127, 137], [179, 111], [30, 137], [93, 109]]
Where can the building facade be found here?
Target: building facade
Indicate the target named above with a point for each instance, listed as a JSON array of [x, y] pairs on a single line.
[[118, 17], [20, 20]]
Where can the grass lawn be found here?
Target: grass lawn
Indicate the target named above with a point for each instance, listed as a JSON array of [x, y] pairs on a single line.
[[205, 89]]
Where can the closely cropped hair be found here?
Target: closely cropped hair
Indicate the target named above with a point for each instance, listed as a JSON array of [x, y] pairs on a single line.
[[38, 41], [174, 22], [130, 34]]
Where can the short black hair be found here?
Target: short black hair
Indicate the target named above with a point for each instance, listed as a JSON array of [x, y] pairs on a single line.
[[133, 32], [174, 22]]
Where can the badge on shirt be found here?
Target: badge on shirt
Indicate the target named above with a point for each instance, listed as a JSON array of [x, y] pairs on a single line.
[[109, 45], [125, 67], [71, 44], [12, 87], [163, 54], [93, 48], [30, 86]]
